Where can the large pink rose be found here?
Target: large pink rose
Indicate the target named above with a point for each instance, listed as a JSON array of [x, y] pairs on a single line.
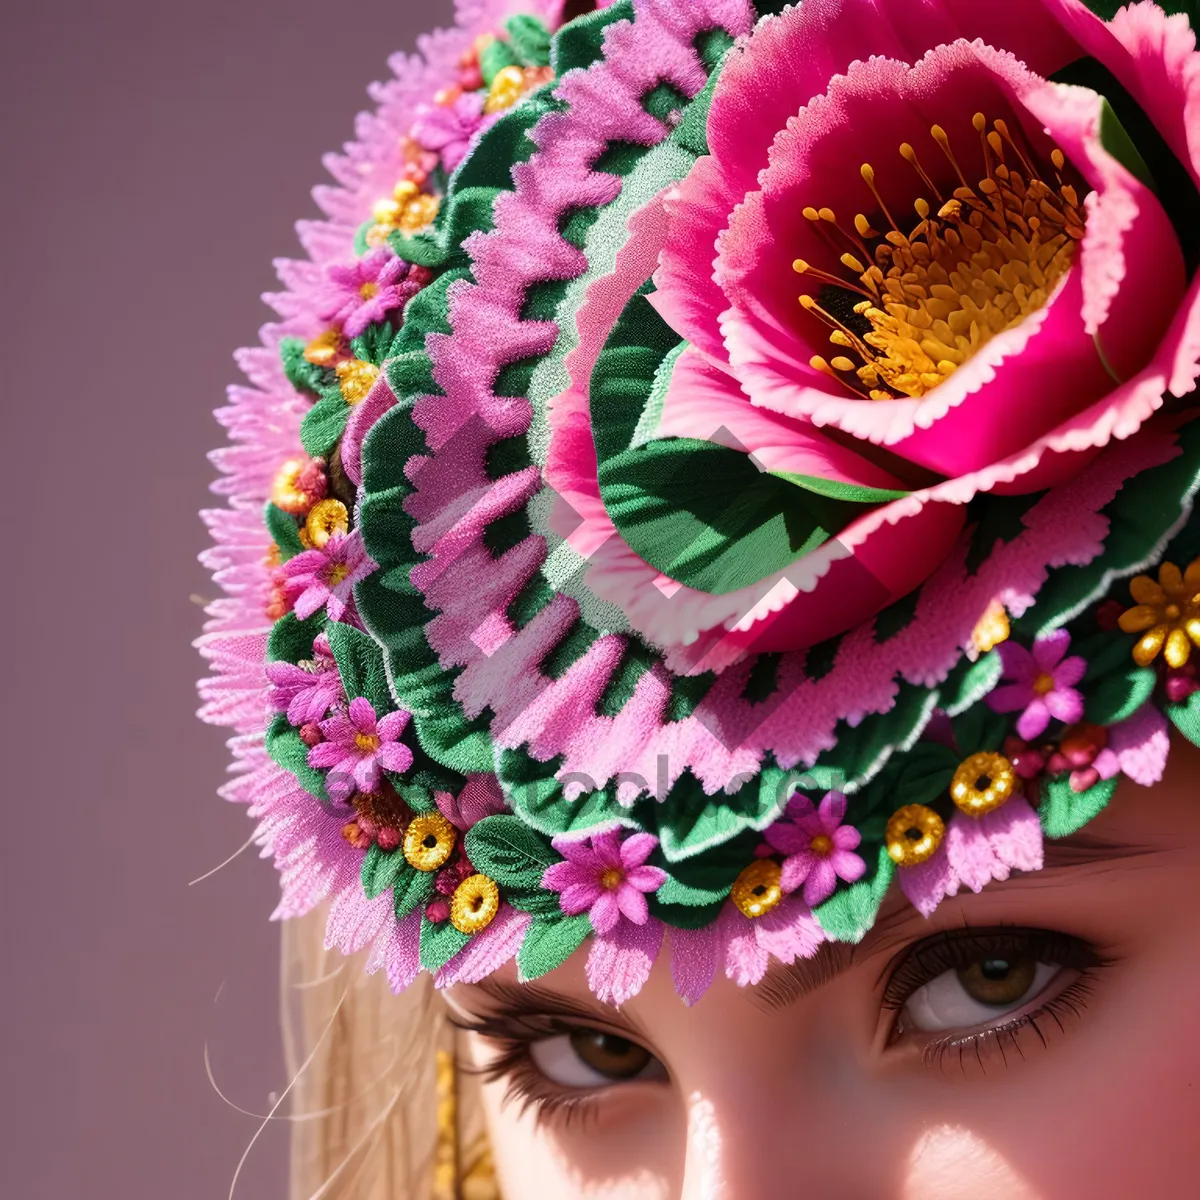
[[910, 262]]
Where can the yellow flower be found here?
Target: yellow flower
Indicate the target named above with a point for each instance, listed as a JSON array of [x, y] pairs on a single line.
[[982, 783], [429, 841], [475, 903], [356, 378], [757, 889], [1166, 614], [913, 835]]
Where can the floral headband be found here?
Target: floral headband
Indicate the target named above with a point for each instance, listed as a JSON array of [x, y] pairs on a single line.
[[719, 459]]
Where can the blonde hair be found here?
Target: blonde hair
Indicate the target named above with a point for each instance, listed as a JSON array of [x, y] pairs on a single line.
[[380, 1110]]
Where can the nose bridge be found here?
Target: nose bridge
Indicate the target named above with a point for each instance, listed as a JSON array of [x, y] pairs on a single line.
[[704, 1175]]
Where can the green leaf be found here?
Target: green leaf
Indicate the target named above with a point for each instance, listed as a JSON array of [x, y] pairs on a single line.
[[413, 888], [467, 211], [381, 869], [284, 531], [292, 640], [529, 39], [1116, 140], [540, 903], [1186, 718], [581, 42], [705, 881], [969, 682], [1120, 695], [978, 728], [1064, 811], [922, 776], [706, 516], [850, 493], [360, 664], [301, 374], [440, 942], [850, 911], [862, 750], [514, 855], [324, 424], [494, 58], [288, 751], [548, 944]]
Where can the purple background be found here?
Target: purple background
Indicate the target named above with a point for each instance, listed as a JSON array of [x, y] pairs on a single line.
[[154, 158]]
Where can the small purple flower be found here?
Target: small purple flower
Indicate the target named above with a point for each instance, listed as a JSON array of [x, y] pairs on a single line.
[[306, 691], [326, 577], [1041, 683], [357, 745], [607, 879], [819, 848], [358, 294], [449, 128]]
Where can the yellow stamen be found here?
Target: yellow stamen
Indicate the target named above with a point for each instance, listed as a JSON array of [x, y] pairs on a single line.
[[934, 295]]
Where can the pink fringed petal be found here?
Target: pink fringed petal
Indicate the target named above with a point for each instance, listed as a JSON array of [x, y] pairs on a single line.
[[619, 962], [1141, 745], [695, 955], [929, 883], [487, 951]]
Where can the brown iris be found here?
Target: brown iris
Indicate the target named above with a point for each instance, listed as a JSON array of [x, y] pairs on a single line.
[[1000, 982], [609, 1055]]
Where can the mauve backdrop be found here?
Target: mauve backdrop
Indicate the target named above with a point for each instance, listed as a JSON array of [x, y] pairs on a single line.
[[154, 159]]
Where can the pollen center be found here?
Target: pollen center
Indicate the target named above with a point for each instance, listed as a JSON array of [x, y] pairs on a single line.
[[977, 262], [821, 845], [611, 879], [1043, 684], [368, 743]]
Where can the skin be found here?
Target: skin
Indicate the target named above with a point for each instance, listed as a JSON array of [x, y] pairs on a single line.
[[795, 1088]]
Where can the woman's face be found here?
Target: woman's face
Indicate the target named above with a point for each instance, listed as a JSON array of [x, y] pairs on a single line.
[[1037, 1040]]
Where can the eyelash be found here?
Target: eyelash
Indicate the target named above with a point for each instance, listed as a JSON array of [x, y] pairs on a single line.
[[953, 949], [511, 1037]]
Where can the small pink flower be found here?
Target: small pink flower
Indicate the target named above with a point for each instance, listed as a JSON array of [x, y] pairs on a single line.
[[449, 128], [605, 877], [360, 293], [357, 744], [325, 578], [306, 691], [1041, 683], [819, 848]]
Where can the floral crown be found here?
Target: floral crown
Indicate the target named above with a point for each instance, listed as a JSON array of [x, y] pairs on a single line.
[[719, 459]]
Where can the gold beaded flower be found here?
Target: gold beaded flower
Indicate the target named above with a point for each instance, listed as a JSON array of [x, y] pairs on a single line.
[[757, 889], [355, 379], [913, 835], [982, 783], [475, 903], [429, 841], [1166, 614], [324, 519]]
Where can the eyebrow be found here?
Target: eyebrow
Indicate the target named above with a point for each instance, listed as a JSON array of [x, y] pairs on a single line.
[[784, 984], [519, 1000]]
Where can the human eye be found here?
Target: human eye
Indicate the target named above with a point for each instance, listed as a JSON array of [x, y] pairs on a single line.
[[975, 991], [562, 1069]]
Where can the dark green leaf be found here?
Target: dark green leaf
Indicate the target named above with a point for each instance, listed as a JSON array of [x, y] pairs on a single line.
[[548, 944], [440, 942], [413, 889], [1120, 695], [324, 424], [1065, 811], [850, 911], [289, 752], [381, 869], [1186, 718], [284, 531], [834, 489], [360, 664], [514, 855]]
